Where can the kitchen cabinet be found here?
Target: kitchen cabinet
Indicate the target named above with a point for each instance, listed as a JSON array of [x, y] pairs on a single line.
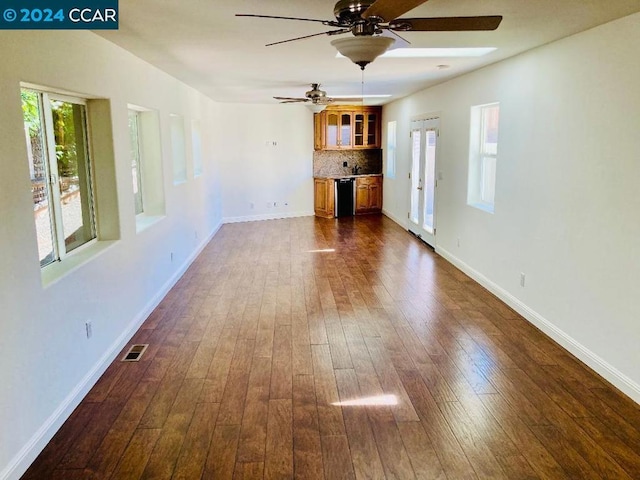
[[368, 194], [347, 127], [323, 198]]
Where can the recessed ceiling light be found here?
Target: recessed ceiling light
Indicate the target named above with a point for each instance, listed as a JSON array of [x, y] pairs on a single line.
[[435, 52]]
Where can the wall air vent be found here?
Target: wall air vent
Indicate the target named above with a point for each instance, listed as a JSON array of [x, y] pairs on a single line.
[[135, 352]]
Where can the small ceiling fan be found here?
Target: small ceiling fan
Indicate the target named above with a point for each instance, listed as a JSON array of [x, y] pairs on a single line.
[[316, 96], [369, 18]]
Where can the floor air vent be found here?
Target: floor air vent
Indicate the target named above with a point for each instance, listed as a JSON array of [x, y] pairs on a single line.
[[135, 352]]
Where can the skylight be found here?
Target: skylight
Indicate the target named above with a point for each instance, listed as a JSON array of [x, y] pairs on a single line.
[[338, 97], [435, 52]]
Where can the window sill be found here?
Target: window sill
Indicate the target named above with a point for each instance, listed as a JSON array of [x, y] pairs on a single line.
[[72, 262], [485, 207], [145, 221]]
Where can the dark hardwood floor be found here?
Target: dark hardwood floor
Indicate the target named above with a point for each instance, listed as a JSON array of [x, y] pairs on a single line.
[[279, 322]]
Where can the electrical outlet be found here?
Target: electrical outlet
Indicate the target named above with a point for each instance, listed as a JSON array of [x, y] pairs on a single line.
[[89, 329], [522, 279]]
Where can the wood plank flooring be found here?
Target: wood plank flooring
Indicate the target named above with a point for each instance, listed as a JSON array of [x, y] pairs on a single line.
[[322, 349]]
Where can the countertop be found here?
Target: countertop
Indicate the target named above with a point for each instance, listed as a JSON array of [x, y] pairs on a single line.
[[350, 176]]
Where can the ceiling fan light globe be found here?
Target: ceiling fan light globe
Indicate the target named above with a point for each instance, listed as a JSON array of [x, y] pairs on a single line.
[[316, 107], [362, 50]]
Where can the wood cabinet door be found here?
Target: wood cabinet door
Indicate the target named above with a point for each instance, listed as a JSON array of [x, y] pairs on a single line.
[[359, 132], [366, 129], [320, 195], [319, 121], [362, 196], [368, 194], [323, 197], [347, 127], [375, 196], [373, 130], [332, 128], [346, 130]]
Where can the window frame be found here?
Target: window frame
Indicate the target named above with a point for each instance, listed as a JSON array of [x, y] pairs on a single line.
[[196, 148], [52, 175], [178, 148], [481, 174], [392, 148], [151, 167], [137, 162]]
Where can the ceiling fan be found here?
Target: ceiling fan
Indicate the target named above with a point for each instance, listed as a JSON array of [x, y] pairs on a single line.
[[316, 97], [370, 18]]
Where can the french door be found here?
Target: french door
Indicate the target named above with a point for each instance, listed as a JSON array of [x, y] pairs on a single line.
[[424, 146]]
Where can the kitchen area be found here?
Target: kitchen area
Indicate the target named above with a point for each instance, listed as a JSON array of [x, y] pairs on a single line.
[[347, 161]]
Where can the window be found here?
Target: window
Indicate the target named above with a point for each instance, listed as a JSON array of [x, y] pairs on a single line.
[[61, 173], [136, 169], [146, 165], [483, 156], [196, 141], [391, 149], [178, 149]]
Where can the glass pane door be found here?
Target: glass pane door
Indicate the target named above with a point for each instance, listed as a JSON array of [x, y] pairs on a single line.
[[416, 184], [422, 214], [429, 180], [69, 123], [345, 130], [372, 133], [332, 129], [358, 137]]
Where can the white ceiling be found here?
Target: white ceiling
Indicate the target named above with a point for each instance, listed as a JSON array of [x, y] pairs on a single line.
[[203, 44]]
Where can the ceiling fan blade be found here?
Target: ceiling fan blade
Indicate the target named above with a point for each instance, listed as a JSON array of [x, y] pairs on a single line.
[[400, 41], [446, 24], [391, 9], [291, 99], [281, 18], [330, 32], [352, 99]]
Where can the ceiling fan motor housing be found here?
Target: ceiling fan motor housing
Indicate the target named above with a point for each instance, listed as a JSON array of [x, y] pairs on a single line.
[[348, 12], [315, 94]]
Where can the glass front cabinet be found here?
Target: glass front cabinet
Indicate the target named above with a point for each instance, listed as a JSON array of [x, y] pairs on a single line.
[[347, 127]]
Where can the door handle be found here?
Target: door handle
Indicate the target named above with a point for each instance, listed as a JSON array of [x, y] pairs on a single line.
[[419, 188]]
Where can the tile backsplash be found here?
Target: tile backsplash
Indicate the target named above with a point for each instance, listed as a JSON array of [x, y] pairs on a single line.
[[328, 163]]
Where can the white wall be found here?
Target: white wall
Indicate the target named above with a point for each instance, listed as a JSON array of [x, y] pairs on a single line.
[[567, 203], [46, 362], [255, 172]]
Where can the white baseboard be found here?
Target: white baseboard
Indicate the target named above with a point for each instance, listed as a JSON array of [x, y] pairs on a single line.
[[400, 222], [266, 216], [21, 462], [595, 362], [598, 364]]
